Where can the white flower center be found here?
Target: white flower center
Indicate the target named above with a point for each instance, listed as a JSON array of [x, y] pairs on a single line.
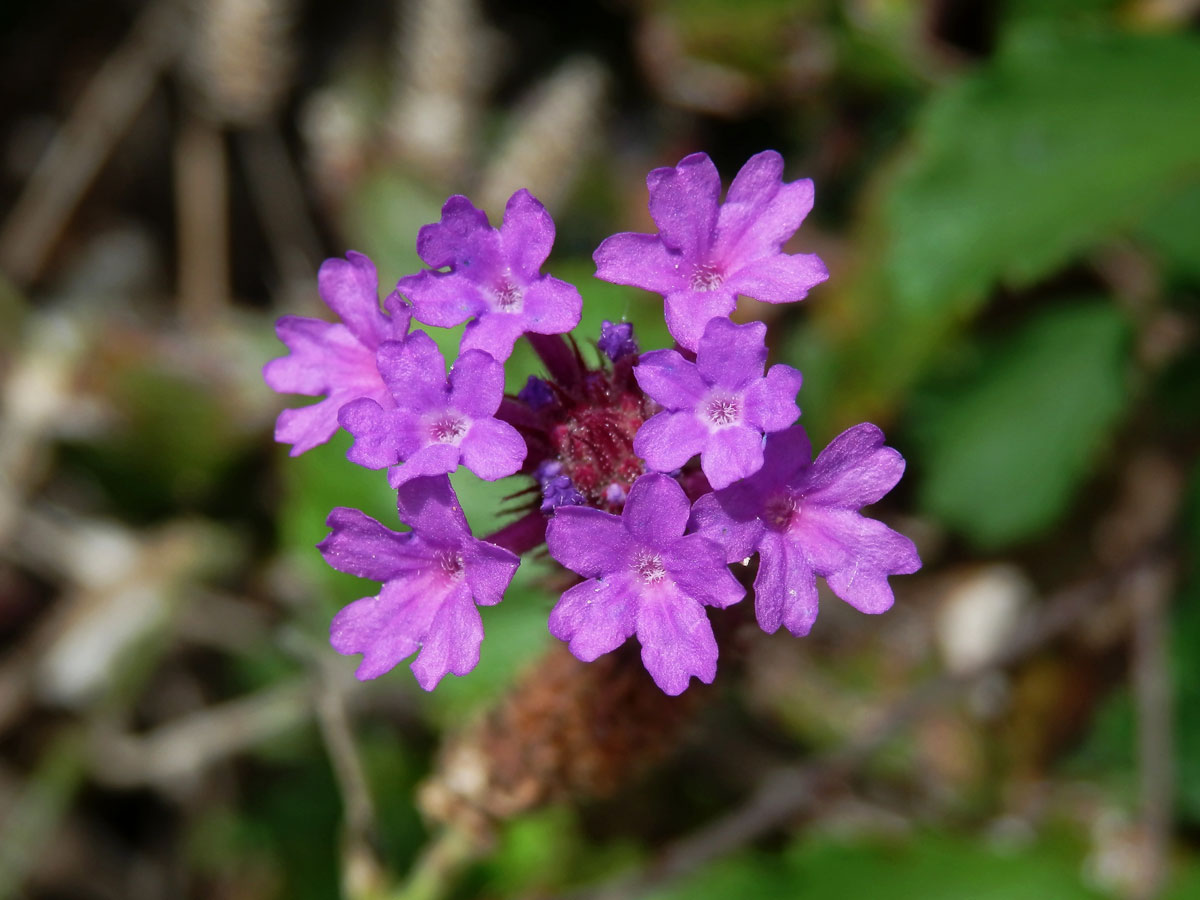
[[723, 410], [706, 277], [448, 429], [451, 564], [649, 567], [509, 297]]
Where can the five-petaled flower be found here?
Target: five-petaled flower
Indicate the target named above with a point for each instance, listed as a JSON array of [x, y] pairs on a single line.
[[707, 253], [802, 518], [437, 422], [334, 359], [644, 577], [433, 577], [719, 406], [494, 276]]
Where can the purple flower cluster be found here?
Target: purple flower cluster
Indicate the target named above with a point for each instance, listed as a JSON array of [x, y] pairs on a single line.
[[650, 473]]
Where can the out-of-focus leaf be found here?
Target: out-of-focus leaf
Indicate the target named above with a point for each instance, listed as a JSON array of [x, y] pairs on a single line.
[[1057, 143], [1003, 449], [385, 211], [751, 876], [1172, 231]]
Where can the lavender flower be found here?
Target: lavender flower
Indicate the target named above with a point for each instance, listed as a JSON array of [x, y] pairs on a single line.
[[720, 406], [437, 423], [802, 519], [433, 577], [334, 359], [617, 340], [707, 253], [494, 276], [644, 577]]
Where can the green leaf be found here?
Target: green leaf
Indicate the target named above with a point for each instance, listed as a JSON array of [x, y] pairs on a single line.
[[1053, 146], [1004, 448], [1172, 232]]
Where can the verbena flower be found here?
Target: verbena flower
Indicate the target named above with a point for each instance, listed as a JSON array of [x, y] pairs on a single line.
[[719, 406], [644, 577], [707, 253], [617, 340], [802, 518], [494, 276], [433, 576], [437, 422], [335, 360]]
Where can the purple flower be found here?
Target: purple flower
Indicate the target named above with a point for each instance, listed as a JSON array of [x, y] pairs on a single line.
[[438, 423], [802, 519], [645, 578], [433, 576], [617, 340], [334, 359], [494, 276], [718, 406], [536, 394], [707, 253]]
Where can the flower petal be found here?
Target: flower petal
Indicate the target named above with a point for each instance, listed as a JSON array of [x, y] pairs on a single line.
[[697, 566], [308, 426], [476, 384], [760, 212], [677, 641], [387, 628], [588, 541], [361, 546], [656, 510], [382, 437], [738, 533], [687, 312], [594, 617], [855, 470], [430, 507], [670, 380], [683, 204], [350, 287], [451, 643], [731, 355], [464, 240], [493, 333], [493, 449], [526, 235], [489, 571], [785, 589], [855, 555], [551, 306], [444, 299], [771, 401], [731, 454], [668, 440], [434, 459], [414, 372], [641, 260], [782, 278]]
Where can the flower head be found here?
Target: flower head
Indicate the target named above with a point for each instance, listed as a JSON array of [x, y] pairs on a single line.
[[616, 340], [437, 422], [719, 406], [493, 276], [802, 518], [644, 577], [334, 359], [433, 577], [707, 253]]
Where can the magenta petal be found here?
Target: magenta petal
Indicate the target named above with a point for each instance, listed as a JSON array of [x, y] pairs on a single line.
[[430, 506], [669, 379], [451, 643], [350, 288], [308, 426], [319, 352], [731, 454], [493, 449], [677, 641], [641, 260], [594, 617], [587, 540], [787, 454], [361, 546], [683, 203], [476, 384], [760, 213], [730, 355], [771, 402], [656, 510], [387, 628], [855, 555], [435, 459], [493, 333], [781, 278], [526, 235], [414, 372], [856, 469], [668, 440], [463, 240], [377, 434], [737, 535], [489, 571], [687, 312], [443, 299], [785, 590], [551, 306], [697, 566]]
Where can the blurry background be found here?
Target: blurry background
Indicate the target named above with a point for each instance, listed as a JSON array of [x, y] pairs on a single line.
[[1008, 199]]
